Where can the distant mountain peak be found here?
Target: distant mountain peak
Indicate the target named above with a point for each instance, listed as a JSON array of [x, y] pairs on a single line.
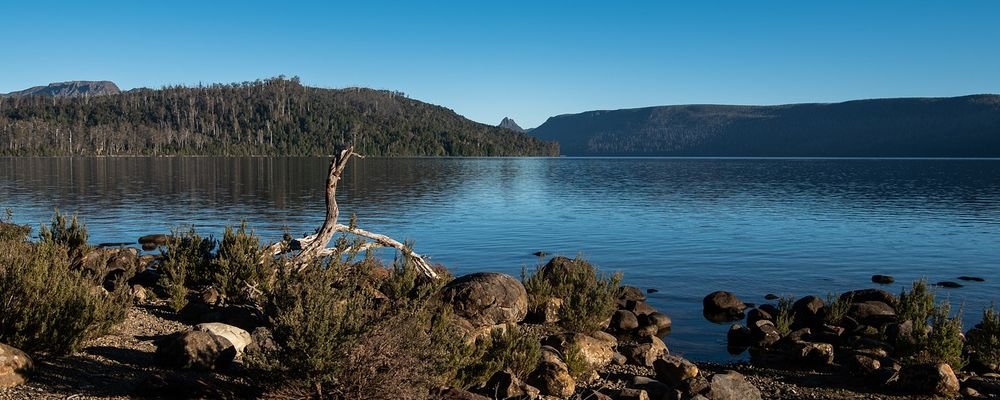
[[508, 123], [69, 89]]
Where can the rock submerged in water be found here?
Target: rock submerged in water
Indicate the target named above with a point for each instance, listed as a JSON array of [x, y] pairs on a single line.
[[722, 306], [883, 279], [151, 242], [948, 284], [971, 279]]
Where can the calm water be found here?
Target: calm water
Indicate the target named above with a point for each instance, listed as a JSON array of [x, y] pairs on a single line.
[[686, 227]]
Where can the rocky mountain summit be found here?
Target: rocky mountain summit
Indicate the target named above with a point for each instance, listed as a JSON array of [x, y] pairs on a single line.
[[69, 89], [508, 123]]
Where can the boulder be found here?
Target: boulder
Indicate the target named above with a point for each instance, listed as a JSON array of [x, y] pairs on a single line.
[[547, 312], [660, 320], [764, 333], [632, 293], [559, 267], [811, 353], [722, 302], [453, 393], [873, 313], [757, 314], [655, 388], [597, 349], [195, 350], [864, 364], [552, 378], [151, 242], [937, 379], [504, 385], [674, 370], [14, 364], [623, 321], [632, 394], [739, 336], [487, 298], [645, 351], [731, 385], [639, 308], [239, 338], [808, 311], [863, 295]]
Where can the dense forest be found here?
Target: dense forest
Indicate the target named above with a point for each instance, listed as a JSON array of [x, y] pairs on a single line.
[[966, 126], [276, 116]]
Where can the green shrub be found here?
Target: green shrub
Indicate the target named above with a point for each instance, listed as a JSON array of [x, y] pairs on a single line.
[[512, 348], [185, 261], [916, 305], [836, 308], [240, 270], [944, 343], [589, 298], [70, 233], [45, 306], [337, 338], [9, 231], [576, 363], [783, 321], [983, 341]]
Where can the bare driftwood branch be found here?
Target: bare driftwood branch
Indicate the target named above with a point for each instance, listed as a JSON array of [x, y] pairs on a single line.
[[314, 246]]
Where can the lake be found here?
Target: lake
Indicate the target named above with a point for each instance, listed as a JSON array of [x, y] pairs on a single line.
[[685, 227]]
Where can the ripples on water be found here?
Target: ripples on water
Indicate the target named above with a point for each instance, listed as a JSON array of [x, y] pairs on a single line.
[[683, 226]]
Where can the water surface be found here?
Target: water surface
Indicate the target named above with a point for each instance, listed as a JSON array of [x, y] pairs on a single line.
[[685, 227]]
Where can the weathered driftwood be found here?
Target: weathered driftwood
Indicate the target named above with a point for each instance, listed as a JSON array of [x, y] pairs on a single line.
[[314, 246]]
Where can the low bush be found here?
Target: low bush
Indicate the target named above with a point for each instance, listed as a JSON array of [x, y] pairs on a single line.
[[576, 363], [836, 308], [240, 271], [46, 307], [67, 232], [9, 231], [783, 321], [337, 338], [983, 341], [944, 342], [917, 305], [588, 297], [512, 348], [185, 264]]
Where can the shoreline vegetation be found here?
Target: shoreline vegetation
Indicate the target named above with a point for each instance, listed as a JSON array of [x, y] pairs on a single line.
[[320, 317]]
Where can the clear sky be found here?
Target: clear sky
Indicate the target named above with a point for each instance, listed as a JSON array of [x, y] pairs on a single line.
[[527, 60]]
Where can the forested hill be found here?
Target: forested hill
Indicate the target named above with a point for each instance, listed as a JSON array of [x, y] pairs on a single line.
[[966, 126], [267, 117]]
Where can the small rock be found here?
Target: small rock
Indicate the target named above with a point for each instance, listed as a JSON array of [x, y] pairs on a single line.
[[764, 333], [739, 336], [591, 394], [639, 308], [874, 313], [539, 254], [812, 353], [651, 290], [623, 321], [948, 284], [722, 302], [552, 378], [633, 394], [138, 294], [883, 279], [731, 385], [863, 295], [971, 278], [632, 293], [645, 351], [660, 320], [674, 370], [936, 379], [14, 364], [505, 385], [771, 296]]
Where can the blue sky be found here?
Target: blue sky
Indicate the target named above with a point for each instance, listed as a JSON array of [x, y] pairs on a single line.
[[527, 60]]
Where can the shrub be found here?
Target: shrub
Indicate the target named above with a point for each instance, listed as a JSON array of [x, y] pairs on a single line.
[[916, 305], [338, 339], [184, 260], [589, 298], [783, 321], [983, 341], [513, 349], [576, 363], [836, 308], [9, 231], [944, 343], [47, 307], [240, 269], [70, 233]]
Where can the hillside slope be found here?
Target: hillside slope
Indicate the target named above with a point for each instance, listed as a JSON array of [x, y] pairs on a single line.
[[966, 126], [267, 117], [69, 89]]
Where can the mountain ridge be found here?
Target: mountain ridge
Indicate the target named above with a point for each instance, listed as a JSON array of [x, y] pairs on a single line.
[[69, 89], [963, 126]]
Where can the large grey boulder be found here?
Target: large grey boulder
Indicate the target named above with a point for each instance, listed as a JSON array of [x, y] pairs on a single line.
[[722, 302], [14, 364], [195, 350], [731, 385], [487, 298], [239, 338]]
